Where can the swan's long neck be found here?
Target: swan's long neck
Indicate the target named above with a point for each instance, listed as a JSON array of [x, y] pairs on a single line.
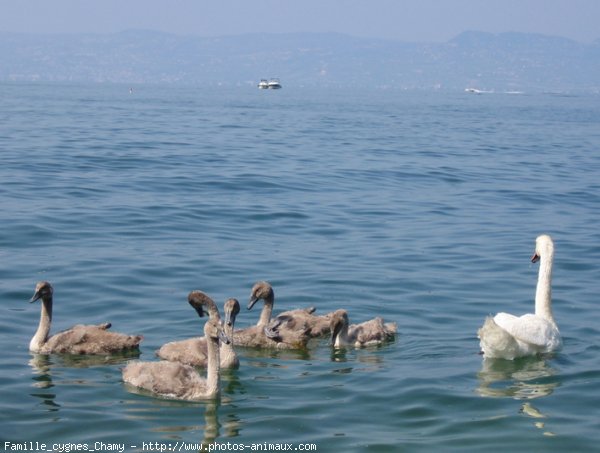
[[543, 292], [265, 314], [228, 356], [212, 369], [43, 330]]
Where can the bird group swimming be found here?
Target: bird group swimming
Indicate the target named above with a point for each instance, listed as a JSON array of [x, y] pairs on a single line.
[[176, 375]]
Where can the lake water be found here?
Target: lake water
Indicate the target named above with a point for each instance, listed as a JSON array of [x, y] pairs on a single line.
[[422, 208]]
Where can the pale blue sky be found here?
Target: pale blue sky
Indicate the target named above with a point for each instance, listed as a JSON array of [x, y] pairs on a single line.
[[405, 20]]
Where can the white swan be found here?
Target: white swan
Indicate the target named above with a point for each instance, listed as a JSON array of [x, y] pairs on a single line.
[[79, 339], [176, 380], [507, 336]]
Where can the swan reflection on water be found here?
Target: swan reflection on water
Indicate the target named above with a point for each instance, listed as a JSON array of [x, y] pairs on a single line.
[[524, 379], [212, 429], [42, 381], [212, 426], [44, 361], [46, 366]]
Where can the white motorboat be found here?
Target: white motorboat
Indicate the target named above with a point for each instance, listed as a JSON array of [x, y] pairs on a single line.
[[274, 84]]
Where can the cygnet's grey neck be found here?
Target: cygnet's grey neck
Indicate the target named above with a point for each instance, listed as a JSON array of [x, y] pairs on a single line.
[[212, 369], [265, 314], [43, 330]]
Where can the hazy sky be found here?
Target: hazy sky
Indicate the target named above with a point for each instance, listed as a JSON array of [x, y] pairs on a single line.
[[405, 20]]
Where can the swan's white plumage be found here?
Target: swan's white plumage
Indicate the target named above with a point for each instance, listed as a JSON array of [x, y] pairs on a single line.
[[507, 336], [531, 329]]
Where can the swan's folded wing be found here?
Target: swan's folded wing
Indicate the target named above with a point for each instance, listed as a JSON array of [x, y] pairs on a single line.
[[528, 328], [169, 379], [288, 329], [192, 351]]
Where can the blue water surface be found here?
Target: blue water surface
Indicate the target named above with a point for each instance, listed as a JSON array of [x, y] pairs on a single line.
[[421, 207]]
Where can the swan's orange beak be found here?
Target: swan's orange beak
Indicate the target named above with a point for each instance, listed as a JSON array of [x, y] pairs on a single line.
[[535, 258]]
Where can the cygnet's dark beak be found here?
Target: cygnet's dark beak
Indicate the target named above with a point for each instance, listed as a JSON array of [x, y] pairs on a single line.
[[36, 296], [223, 337], [252, 301], [335, 332], [199, 308]]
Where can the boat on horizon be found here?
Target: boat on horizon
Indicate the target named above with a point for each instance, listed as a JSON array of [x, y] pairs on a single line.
[[274, 84], [477, 91], [271, 84]]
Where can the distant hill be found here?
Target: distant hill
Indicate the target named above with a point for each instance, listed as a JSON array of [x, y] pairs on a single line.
[[506, 61]]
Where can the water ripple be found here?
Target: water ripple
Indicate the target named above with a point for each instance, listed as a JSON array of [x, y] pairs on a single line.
[[418, 207]]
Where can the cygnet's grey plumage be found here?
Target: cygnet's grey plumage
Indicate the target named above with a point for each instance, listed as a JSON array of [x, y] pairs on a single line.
[[179, 381], [176, 380], [79, 339], [316, 326], [194, 351], [367, 333], [289, 330]]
